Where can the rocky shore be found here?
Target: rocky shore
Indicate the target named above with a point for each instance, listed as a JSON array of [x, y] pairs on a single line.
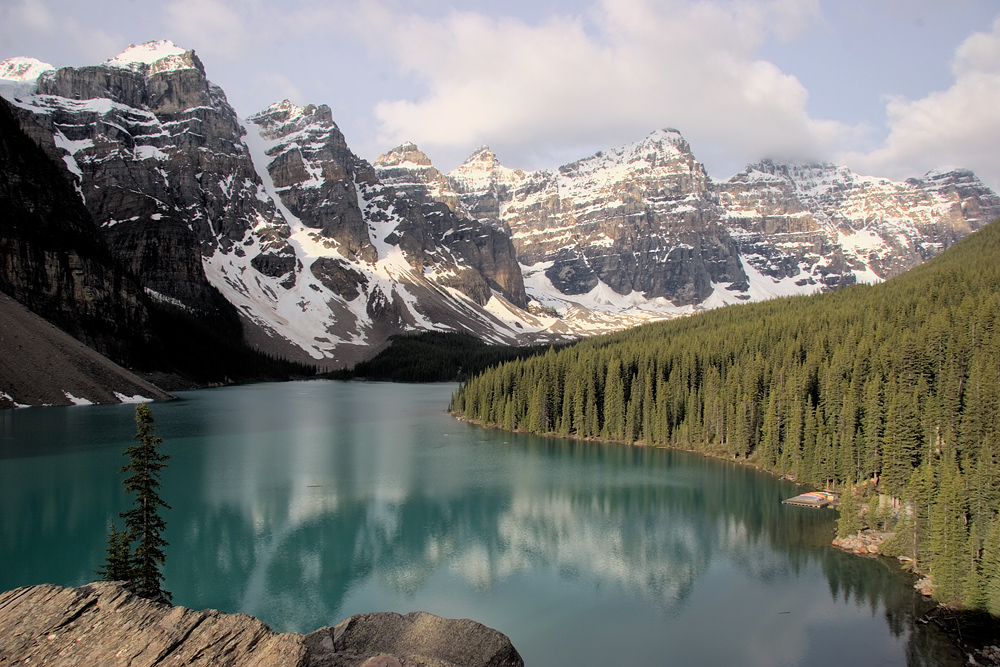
[[865, 543], [105, 624]]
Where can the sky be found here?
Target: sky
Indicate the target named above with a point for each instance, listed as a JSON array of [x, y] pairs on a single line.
[[889, 88]]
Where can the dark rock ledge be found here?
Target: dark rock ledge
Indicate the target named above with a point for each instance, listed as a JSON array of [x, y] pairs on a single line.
[[104, 624]]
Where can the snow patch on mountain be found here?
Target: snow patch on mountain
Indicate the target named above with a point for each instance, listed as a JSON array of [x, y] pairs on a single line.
[[150, 53], [23, 69], [77, 400], [19, 77]]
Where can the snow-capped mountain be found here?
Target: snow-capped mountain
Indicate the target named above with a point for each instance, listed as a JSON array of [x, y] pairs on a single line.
[[154, 151], [825, 223], [274, 215], [324, 255], [644, 225]]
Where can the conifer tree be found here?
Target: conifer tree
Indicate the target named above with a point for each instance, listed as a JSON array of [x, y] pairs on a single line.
[[849, 522], [143, 523], [118, 562], [948, 536], [973, 596], [991, 568]]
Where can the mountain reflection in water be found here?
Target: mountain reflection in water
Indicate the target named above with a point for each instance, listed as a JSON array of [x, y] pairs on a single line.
[[304, 503]]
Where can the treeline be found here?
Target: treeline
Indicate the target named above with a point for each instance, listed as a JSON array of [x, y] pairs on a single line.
[[208, 348], [896, 386], [434, 356]]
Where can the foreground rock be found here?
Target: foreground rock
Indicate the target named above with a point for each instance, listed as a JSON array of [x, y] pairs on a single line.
[[104, 624]]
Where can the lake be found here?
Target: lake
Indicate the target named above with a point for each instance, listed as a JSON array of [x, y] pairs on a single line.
[[303, 503]]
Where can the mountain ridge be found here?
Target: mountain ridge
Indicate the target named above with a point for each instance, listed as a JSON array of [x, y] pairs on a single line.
[[323, 256]]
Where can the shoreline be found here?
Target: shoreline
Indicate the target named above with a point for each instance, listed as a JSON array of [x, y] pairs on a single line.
[[985, 652]]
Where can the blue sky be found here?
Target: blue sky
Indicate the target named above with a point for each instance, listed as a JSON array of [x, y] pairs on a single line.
[[887, 87]]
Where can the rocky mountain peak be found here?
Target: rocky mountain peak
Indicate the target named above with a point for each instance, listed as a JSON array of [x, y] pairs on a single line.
[[406, 154], [661, 161], [483, 154], [483, 171], [409, 170], [155, 57], [156, 76], [284, 118], [955, 180], [381, 237], [665, 141], [808, 180]]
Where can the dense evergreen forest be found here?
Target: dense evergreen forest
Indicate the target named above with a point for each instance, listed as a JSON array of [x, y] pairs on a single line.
[[891, 390], [206, 349], [434, 356]]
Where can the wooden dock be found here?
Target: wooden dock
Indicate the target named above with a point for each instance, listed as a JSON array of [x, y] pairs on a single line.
[[811, 499]]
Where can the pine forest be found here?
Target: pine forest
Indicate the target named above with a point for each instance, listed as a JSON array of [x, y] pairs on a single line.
[[889, 391]]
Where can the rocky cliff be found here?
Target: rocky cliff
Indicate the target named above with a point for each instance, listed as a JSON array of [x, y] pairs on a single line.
[[154, 151], [643, 224], [104, 624], [274, 220], [52, 259], [275, 225], [824, 224], [328, 188]]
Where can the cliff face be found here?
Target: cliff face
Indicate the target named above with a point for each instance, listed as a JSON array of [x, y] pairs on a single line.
[[203, 207], [483, 247], [645, 222], [275, 225], [52, 258], [154, 152], [823, 224], [103, 624], [642, 218]]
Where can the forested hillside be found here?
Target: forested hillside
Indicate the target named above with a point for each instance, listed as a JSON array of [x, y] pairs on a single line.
[[434, 356], [895, 385]]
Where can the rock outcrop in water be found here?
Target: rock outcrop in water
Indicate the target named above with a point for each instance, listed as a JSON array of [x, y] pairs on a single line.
[[104, 624]]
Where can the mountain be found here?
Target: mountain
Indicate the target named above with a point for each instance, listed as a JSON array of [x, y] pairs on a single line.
[[51, 257], [861, 228], [59, 263], [548, 233], [644, 225], [891, 388], [372, 261], [43, 365], [270, 230], [271, 223]]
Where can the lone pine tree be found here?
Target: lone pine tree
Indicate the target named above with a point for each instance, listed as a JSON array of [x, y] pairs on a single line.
[[143, 524]]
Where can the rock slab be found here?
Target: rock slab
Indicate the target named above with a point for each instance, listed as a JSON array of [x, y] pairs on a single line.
[[105, 624]]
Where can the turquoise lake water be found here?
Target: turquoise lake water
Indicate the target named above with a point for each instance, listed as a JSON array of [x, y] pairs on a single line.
[[304, 503]]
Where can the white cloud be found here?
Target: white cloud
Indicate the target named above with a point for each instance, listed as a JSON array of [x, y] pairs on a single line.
[[30, 23], [211, 26], [622, 70], [31, 15], [957, 127]]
